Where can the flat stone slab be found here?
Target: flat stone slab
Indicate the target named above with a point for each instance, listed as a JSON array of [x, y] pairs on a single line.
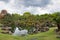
[[58, 36]]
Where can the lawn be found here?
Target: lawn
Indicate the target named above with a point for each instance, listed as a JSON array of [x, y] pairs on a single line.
[[49, 35]]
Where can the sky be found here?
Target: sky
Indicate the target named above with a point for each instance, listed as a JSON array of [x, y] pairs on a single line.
[[33, 6]]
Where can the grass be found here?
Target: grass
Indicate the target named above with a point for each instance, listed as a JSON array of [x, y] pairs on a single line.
[[49, 35]]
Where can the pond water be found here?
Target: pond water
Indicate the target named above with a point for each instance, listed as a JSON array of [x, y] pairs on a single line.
[[20, 32]]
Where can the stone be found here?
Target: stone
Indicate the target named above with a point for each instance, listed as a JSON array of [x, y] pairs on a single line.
[[58, 36]]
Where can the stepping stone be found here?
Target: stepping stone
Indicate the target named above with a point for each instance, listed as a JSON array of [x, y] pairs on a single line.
[[58, 36]]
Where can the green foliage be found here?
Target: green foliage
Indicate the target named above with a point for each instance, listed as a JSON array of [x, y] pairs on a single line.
[[28, 20]]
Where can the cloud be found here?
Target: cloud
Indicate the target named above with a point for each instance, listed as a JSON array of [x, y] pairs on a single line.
[[35, 3], [33, 6], [5, 0]]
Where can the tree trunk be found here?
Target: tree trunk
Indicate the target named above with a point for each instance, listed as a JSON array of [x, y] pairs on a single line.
[[58, 25]]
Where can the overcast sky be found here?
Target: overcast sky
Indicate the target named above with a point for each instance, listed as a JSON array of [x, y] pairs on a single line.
[[33, 6]]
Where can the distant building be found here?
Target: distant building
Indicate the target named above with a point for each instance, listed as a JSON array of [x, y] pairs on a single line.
[[3, 13]]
